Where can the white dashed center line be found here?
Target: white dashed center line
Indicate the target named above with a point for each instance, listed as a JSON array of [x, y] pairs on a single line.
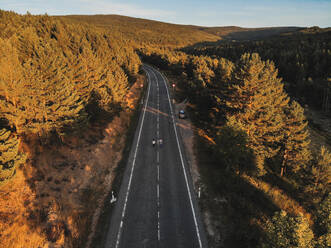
[[158, 159]]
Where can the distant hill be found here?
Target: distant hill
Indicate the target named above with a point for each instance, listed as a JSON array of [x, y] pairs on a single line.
[[143, 31], [238, 33], [315, 30], [148, 32]]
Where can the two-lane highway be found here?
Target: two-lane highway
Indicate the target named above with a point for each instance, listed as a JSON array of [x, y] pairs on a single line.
[[156, 205]]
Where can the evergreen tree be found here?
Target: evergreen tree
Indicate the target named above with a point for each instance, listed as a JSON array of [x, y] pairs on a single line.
[[256, 100], [117, 86], [224, 70], [10, 157], [295, 150], [324, 223], [218, 92], [284, 231], [232, 150], [321, 170], [66, 110], [46, 99], [13, 90]]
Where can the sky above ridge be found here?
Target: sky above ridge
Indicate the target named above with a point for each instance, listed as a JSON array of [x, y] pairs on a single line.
[[244, 13]]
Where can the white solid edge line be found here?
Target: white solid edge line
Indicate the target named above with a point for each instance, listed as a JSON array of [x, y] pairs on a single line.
[[133, 165], [182, 161]]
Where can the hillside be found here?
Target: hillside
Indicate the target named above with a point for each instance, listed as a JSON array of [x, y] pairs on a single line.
[[149, 32], [239, 33]]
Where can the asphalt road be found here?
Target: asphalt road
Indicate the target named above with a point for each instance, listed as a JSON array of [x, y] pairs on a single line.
[[156, 205]]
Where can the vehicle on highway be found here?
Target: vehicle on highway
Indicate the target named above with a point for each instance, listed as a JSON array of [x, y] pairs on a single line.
[[182, 114]]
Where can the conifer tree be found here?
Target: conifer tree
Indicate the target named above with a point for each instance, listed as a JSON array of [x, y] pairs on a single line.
[[295, 148], [231, 145], [202, 72], [13, 90], [224, 70], [10, 157], [118, 84], [324, 223], [321, 170], [284, 231], [50, 100], [66, 108], [223, 77], [256, 99]]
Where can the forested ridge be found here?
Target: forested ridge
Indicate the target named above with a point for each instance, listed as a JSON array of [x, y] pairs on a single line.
[[263, 181], [239, 33], [303, 59]]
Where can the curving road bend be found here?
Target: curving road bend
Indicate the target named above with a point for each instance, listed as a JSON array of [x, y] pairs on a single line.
[[156, 204]]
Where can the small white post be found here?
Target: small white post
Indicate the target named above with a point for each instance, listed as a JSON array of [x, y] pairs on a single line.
[[113, 198]]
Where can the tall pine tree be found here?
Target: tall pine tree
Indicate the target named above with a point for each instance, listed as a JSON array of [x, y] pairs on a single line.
[[295, 150], [321, 170], [256, 100], [284, 231]]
